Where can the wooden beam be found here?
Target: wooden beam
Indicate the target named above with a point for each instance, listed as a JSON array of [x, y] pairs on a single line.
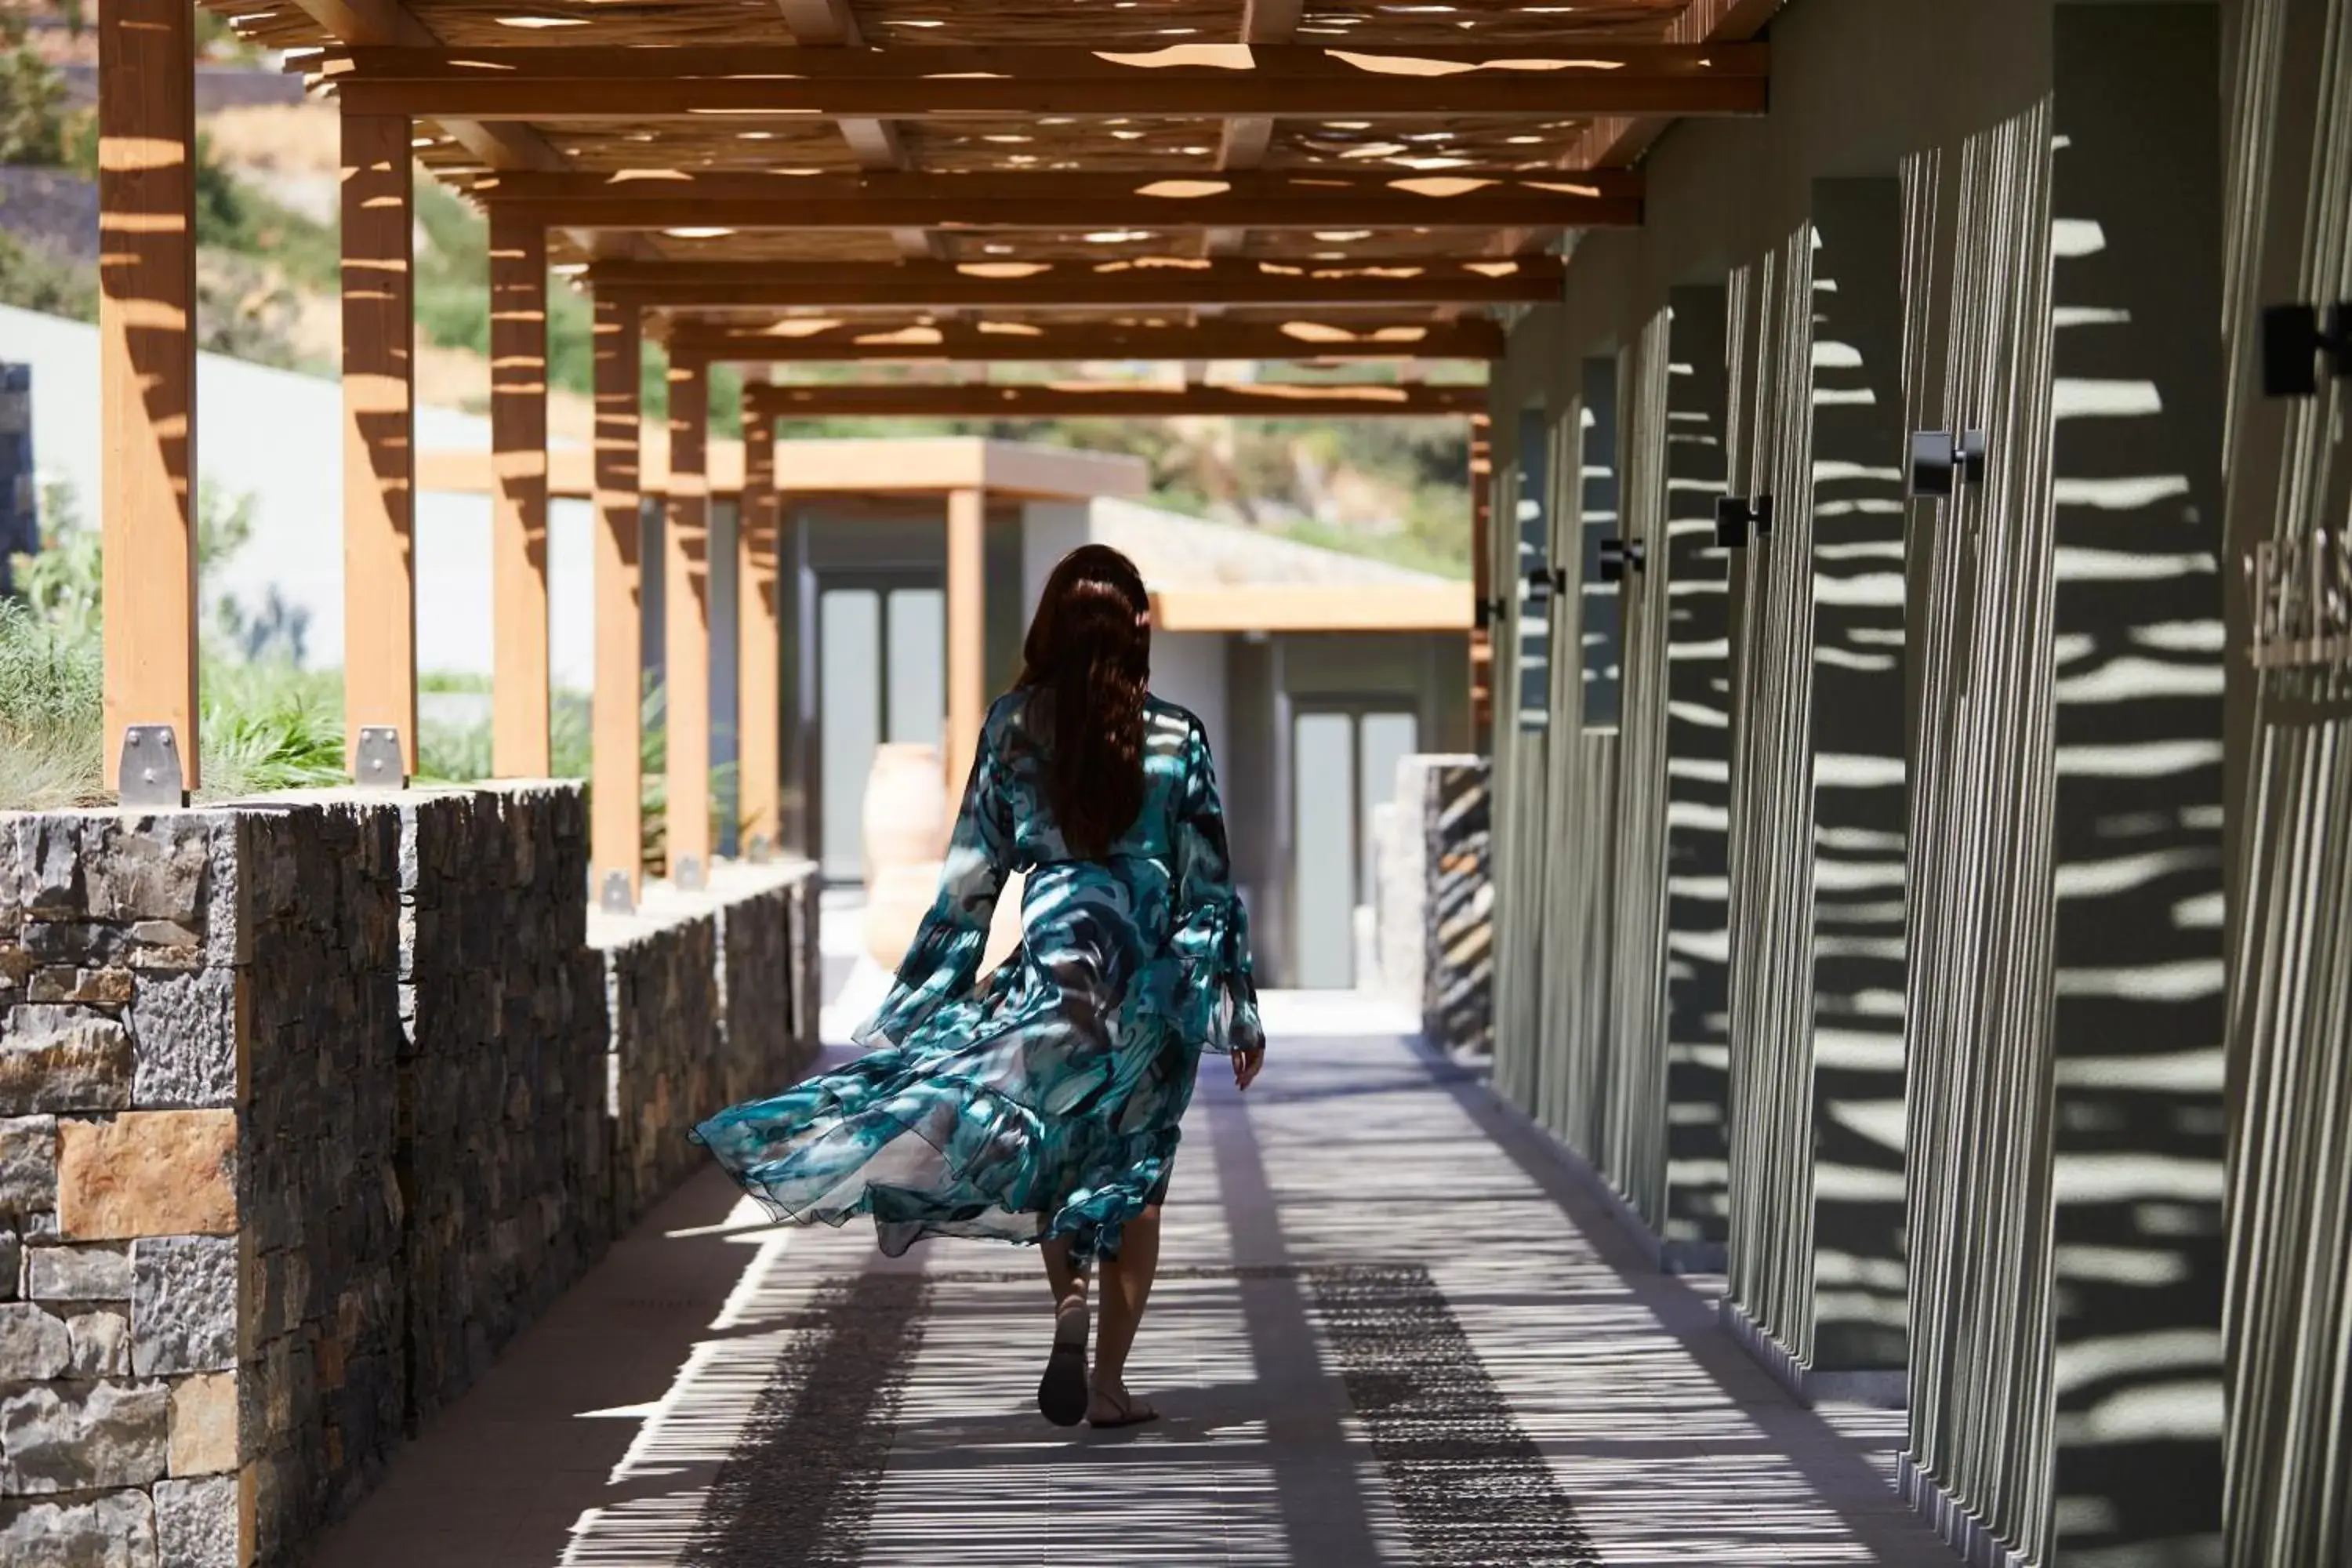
[[714, 204], [686, 627], [1315, 607], [966, 632], [1007, 340], [379, 435], [1272, 81], [1082, 400], [875, 144], [760, 664], [616, 831], [1617, 140], [1243, 143], [519, 674], [147, 372], [1152, 283]]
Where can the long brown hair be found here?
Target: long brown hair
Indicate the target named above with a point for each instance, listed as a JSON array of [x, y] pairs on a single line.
[[1089, 652]]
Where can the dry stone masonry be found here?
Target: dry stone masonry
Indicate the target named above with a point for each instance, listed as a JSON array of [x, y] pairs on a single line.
[[305, 1108]]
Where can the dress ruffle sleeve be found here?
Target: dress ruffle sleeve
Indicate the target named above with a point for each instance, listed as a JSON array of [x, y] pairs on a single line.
[[943, 960], [1216, 995]]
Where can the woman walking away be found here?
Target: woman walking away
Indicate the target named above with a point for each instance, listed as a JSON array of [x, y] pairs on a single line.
[[1041, 1104]]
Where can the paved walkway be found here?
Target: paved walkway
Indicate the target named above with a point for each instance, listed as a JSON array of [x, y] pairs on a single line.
[[1388, 1331]]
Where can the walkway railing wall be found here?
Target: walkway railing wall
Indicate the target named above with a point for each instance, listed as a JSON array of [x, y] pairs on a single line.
[[1974, 782], [2289, 1315], [307, 1107]]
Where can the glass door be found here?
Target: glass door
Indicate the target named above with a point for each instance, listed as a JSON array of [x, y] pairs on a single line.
[[1343, 764], [881, 677]]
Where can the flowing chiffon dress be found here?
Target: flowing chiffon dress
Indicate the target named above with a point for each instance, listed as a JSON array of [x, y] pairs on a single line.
[[1045, 1101]]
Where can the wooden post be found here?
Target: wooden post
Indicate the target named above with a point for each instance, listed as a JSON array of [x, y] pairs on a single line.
[[759, 667], [147, 372], [379, 436], [616, 831], [686, 625], [967, 621], [518, 659]]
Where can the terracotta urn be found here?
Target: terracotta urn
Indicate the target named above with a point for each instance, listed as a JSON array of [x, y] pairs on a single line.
[[906, 815]]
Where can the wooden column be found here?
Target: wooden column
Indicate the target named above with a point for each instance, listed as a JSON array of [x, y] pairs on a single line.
[[147, 370], [379, 436], [518, 659], [616, 826], [967, 620], [759, 667], [686, 625]]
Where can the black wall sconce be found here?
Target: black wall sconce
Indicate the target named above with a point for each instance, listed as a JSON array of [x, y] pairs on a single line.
[[1737, 516], [1941, 461], [1617, 555], [2292, 342]]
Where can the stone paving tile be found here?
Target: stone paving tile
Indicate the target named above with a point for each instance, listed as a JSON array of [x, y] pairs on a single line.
[[631, 1427]]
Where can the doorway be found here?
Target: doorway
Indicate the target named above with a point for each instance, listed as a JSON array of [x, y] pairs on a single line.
[[1344, 758], [881, 677]]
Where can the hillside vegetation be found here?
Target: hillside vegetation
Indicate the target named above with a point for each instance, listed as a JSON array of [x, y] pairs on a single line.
[[268, 260]]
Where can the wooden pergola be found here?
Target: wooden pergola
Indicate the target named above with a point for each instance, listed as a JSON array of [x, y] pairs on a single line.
[[771, 183]]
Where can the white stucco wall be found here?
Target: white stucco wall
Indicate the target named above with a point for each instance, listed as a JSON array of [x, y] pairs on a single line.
[[1189, 667], [278, 436]]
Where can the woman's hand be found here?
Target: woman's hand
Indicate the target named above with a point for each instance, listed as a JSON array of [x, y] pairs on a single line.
[[1245, 1066]]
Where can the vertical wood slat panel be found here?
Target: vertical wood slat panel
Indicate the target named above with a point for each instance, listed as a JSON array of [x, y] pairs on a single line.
[[1697, 784], [1979, 1178], [686, 626], [1519, 793], [616, 721], [967, 632], [759, 667], [2287, 1318], [519, 674], [1771, 1151], [378, 432], [1858, 802], [147, 370], [1636, 1146]]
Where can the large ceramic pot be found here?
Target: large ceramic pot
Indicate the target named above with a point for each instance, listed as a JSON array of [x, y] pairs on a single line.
[[906, 830], [906, 817], [896, 900]]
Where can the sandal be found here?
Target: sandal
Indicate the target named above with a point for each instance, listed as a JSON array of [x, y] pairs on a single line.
[[1062, 1391], [1132, 1412]]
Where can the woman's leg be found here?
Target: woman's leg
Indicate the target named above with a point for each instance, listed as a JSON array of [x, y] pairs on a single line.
[[1062, 1394], [1127, 1285], [1068, 1284]]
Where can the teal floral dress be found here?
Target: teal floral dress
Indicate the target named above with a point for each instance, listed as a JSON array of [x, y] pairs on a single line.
[[1045, 1101]]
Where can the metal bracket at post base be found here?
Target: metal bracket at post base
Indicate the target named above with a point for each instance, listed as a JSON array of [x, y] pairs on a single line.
[[757, 849], [151, 776], [614, 898], [687, 876], [377, 762]]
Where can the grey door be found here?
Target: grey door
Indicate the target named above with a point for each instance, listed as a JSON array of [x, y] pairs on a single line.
[[1343, 763], [881, 676]]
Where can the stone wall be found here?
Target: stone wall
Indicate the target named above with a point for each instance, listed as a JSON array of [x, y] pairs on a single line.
[[306, 1107], [1436, 900], [121, 953], [1457, 994], [503, 1162], [704, 995]]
